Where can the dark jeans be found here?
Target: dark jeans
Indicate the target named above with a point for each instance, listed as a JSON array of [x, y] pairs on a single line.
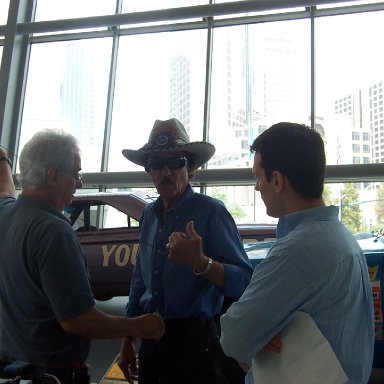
[[68, 375], [46, 373], [188, 353]]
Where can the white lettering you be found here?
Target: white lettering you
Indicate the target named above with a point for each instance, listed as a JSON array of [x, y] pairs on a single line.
[[120, 254]]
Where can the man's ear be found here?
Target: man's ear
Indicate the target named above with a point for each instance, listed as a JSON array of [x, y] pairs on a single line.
[[191, 171], [52, 176], [278, 180]]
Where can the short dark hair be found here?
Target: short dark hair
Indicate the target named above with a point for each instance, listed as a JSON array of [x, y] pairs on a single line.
[[297, 151]]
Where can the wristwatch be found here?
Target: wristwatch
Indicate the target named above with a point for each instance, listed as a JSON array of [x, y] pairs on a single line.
[[7, 159]]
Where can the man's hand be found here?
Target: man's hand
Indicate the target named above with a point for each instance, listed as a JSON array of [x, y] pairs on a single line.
[[186, 248], [149, 326], [127, 360], [7, 187], [274, 345]]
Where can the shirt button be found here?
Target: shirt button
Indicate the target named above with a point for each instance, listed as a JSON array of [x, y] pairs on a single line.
[[155, 293], [156, 272]]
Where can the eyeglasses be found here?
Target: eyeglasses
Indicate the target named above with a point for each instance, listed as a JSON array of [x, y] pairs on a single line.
[[157, 163], [78, 176]]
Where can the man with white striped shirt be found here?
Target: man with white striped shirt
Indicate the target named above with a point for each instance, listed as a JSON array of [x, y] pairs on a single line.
[[315, 266]]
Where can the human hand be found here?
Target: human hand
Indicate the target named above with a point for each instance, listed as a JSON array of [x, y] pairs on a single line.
[[7, 187], [274, 345], [149, 326], [127, 361], [186, 248], [245, 366]]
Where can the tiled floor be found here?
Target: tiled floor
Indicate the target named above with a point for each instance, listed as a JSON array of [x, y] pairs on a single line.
[[104, 352], [377, 376]]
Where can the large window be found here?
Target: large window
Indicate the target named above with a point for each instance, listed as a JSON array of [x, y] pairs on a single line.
[[67, 89], [68, 9], [105, 70], [260, 76], [158, 76], [4, 5], [349, 82]]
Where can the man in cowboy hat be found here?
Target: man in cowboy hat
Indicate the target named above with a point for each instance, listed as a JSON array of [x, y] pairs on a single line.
[[187, 289]]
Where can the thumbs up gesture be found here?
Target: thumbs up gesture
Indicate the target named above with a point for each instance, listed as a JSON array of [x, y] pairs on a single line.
[[186, 248]]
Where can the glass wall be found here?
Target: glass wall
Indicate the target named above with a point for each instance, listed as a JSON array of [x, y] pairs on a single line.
[[4, 5], [158, 76], [106, 70], [68, 9], [349, 87], [67, 89], [260, 76]]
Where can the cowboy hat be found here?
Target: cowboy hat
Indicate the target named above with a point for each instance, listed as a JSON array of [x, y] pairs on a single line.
[[167, 136]]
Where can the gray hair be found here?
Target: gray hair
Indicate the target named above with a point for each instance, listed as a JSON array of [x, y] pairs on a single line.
[[47, 149]]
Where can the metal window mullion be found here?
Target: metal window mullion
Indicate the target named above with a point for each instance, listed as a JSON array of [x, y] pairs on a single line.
[[208, 81], [110, 96], [181, 13], [347, 10], [346, 173], [259, 19], [207, 91], [70, 36], [191, 25], [171, 27], [313, 69], [13, 74]]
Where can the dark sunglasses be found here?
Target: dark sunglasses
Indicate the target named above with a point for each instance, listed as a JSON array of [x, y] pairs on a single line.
[[157, 163]]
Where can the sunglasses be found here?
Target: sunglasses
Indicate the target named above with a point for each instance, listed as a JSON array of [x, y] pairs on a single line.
[[157, 163]]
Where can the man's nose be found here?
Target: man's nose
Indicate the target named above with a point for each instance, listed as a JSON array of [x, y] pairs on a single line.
[[165, 170]]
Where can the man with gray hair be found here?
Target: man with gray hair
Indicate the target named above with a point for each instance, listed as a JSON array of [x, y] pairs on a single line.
[[47, 310]]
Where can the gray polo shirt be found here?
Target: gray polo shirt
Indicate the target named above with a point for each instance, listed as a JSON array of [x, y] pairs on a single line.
[[43, 280]]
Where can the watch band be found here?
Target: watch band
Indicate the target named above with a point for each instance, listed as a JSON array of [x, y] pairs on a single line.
[[206, 269], [7, 159]]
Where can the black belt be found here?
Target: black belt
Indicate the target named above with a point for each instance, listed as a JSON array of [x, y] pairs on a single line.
[[188, 322]]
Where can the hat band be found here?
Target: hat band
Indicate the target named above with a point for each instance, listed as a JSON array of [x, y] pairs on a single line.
[[164, 141]]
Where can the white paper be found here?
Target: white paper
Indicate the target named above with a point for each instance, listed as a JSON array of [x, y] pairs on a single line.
[[305, 358]]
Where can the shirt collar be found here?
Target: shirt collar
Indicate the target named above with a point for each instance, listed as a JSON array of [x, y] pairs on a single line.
[[158, 206], [289, 222], [33, 201]]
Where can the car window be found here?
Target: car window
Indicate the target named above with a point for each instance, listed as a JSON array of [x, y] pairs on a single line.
[[113, 218], [96, 217]]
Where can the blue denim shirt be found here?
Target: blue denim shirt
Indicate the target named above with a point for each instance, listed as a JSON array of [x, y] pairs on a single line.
[[172, 289]]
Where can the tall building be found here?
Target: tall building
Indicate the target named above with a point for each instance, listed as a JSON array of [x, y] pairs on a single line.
[[365, 107], [259, 84], [376, 121], [180, 90], [78, 105], [360, 134]]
